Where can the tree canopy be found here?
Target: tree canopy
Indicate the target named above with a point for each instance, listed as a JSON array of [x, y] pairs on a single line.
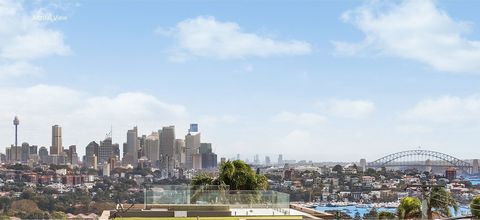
[[236, 174], [410, 207], [441, 200], [475, 207]]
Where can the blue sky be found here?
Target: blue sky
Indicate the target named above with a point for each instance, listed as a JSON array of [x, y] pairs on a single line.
[[315, 80]]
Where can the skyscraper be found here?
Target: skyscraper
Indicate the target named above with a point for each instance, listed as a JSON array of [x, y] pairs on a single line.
[[280, 160], [179, 153], [267, 161], [363, 165], [141, 145], [57, 146], [205, 148], [475, 165], [209, 159], [192, 145], [91, 149], [72, 155], [167, 148], [105, 150], [25, 152], [43, 154], [256, 159], [152, 148], [16, 122], [33, 149], [132, 147]]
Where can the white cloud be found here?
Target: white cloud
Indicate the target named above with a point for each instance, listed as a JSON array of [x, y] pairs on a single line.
[[300, 118], [19, 69], [447, 109], [23, 39], [414, 128], [84, 117], [416, 30], [204, 36], [352, 109], [298, 136]]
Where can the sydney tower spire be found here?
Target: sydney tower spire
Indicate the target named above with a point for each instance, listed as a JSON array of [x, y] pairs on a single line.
[[16, 122]]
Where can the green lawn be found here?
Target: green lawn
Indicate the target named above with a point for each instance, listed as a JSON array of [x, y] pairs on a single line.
[[222, 218]]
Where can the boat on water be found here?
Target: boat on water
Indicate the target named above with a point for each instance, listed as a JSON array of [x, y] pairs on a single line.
[[362, 206], [392, 205]]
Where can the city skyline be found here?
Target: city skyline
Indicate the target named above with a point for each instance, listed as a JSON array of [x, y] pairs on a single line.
[[299, 85]]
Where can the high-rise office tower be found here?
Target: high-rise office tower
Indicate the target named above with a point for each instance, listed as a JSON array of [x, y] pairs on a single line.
[[72, 155], [141, 145], [428, 165], [179, 153], [280, 160], [209, 159], [192, 145], [363, 165], [205, 148], [196, 161], [3, 158], [92, 162], [132, 147], [152, 148], [116, 150], [90, 150], [167, 148], [16, 122], [33, 149], [475, 166], [256, 159], [25, 152], [105, 150], [57, 146], [43, 154], [267, 161]]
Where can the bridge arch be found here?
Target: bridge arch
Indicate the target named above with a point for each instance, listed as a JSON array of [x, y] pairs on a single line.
[[389, 160]]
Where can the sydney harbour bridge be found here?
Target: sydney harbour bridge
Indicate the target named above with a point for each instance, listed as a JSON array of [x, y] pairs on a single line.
[[424, 160]]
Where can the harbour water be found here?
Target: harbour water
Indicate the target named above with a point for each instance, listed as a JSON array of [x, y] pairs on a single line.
[[475, 181], [352, 210]]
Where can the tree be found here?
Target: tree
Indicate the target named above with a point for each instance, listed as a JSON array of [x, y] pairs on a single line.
[[58, 215], [38, 215], [386, 215], [441, 200], [5, 203], [202, 179], [240, 176], [410, 207], [27, 194], [475, 207], [24, 205], [45, 202], [338, 168], [371, 172], [372, 214]]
